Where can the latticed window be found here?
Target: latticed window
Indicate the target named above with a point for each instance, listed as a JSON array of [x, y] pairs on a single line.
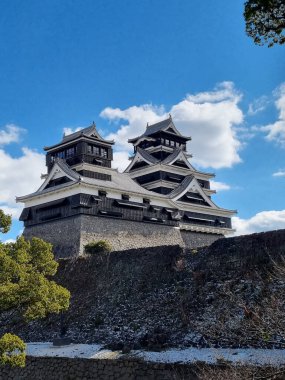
[[70, 152], [96, 150], [103, 152]]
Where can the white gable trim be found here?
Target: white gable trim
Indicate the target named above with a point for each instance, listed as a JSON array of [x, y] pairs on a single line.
[[56, 172], [138, 158], [181, 157], [194, 186]]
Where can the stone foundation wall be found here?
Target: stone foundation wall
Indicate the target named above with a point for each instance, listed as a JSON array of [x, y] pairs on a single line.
[[63, 234], [198, 239], [124, 234], [70, 235]]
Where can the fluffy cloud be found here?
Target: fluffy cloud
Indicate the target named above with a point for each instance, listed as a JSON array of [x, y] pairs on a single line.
[[69, 131], [219, 186], [209, 117], [120, 161], [279, 173], [262, 221], [10, 133], [19, 176], [276, 131], [137, 117]]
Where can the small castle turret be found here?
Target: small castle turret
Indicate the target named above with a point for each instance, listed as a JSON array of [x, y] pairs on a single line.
[[85, 145]]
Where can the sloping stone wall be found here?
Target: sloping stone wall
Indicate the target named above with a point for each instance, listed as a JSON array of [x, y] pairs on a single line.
[[248, 251]]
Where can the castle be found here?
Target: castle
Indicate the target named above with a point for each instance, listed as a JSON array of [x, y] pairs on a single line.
[[160, 199]]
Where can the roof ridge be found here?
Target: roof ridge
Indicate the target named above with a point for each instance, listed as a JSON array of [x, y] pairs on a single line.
[[186, 181], [147, 156], [174, 154], [159, 122], [66, 168], [159, 126]]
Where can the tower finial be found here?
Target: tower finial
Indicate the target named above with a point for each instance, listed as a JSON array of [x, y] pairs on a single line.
[[147, 124], [170, 117]]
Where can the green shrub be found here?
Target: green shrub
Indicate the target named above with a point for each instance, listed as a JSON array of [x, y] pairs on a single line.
[[12, 351], [99, 246]]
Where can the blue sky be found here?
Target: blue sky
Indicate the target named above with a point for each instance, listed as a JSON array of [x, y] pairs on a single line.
[[65, 63]]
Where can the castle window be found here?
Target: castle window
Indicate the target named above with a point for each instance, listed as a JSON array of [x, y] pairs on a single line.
[[70, 152], [60, 154], [96, 150], [125, 197], [146, 201], [172, 143], [102, 193], [104, 152]]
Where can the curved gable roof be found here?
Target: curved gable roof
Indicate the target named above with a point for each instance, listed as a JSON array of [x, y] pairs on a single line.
[[60, 165], [184, 188], [160, 126], [89, 132], [142, 155], [177, 154]]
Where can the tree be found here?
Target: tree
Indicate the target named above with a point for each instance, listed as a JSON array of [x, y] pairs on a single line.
[[5, 222], [265, 21], [25, 286]]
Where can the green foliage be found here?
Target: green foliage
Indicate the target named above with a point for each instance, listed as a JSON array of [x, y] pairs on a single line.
[[265, 21], [100, 246], [24, 266], [12, 351], [25, 285], [5, 222]]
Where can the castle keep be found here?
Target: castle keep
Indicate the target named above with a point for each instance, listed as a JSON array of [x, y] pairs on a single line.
[[160, 199]]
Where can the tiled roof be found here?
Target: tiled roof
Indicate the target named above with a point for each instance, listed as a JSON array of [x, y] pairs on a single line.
[[172, 156], [72, 136], [160, 126], [67, 169], [179, 189], [119, 181], [147, 156], [90, 132]]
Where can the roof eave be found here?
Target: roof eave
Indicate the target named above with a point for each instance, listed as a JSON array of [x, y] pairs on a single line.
[[47, 148]]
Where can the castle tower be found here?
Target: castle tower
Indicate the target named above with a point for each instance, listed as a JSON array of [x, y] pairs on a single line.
[[160, 163], [159, 200]]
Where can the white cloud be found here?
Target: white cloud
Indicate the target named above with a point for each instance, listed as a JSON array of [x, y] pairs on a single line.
[[69, 131], [19, 176], [276, 131], [120, 161], [10, 133], [137, 117], [10, 210], [209, 117], [258, 105], [262, 221], [219, 186], [279, 173]]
